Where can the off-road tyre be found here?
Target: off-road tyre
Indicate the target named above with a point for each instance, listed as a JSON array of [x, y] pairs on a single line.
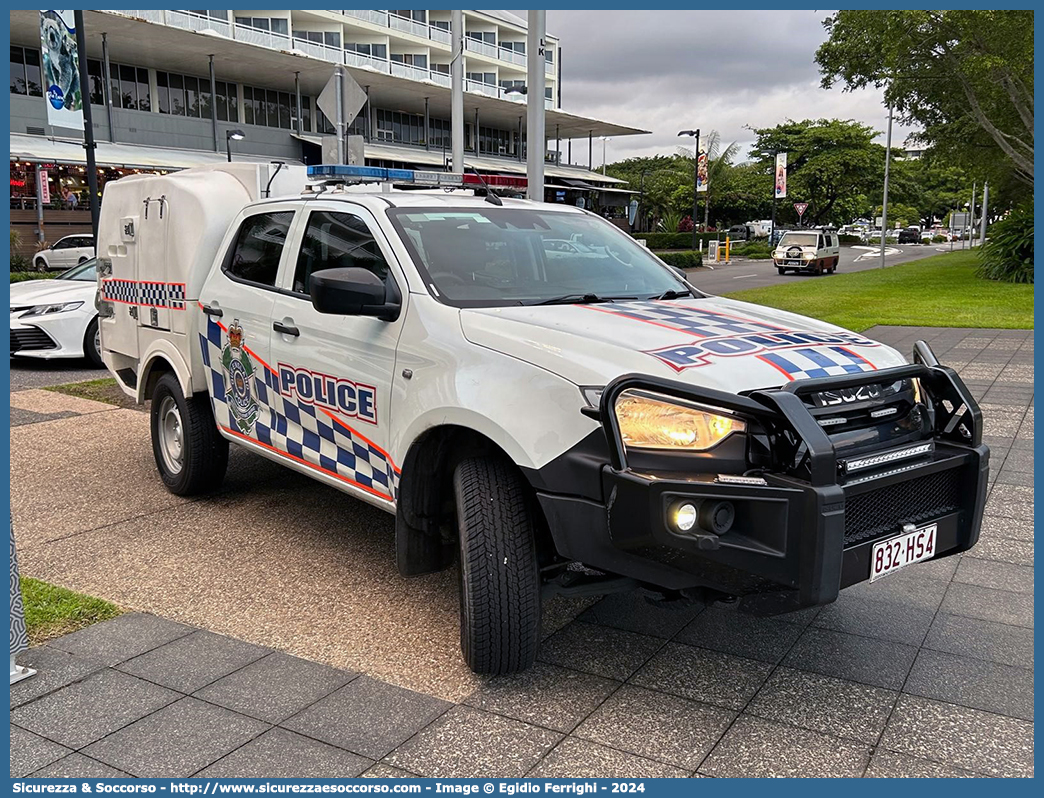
[[781, 270], [204, 453], [91, 345], [499, 572]]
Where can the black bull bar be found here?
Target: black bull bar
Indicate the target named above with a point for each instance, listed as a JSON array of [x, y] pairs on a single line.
[[802, 553]]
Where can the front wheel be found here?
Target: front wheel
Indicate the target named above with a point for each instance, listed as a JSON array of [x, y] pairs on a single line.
[[40, 264], [781, 270], [499, 573], [190, 454], [92, 344]]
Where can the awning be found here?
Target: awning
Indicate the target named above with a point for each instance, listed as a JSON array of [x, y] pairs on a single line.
[[579, 184], [127, 156]]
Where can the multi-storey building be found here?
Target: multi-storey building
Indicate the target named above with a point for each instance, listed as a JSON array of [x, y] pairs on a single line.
[[166, 88]]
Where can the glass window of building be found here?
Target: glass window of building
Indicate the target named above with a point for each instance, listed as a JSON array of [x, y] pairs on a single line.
[[549, 55], [163, 92], [518, 47], [144, 95], [274, 24], [483, 77], [25, 72], [177, 94], [96, 88], [442, 68], [415, 15], [489, 37], [191, 96], [128, 87]]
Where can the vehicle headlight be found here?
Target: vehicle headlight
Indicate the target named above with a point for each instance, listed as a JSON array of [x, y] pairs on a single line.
[[651, 422], [808, 255], [46, 310]]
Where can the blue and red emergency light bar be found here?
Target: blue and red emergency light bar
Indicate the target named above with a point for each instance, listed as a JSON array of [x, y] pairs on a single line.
[[339, 173]]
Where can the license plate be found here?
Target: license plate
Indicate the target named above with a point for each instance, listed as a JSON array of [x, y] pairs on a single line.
[[793, 263], [898, 552]]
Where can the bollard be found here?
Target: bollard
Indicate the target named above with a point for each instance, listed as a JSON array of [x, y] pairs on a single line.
[[19, 635], [727, 242]]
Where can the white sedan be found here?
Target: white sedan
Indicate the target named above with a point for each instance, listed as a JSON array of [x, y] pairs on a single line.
[[57, 318], [65, 253]]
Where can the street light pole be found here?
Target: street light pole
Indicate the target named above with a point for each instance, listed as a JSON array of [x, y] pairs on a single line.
[[884, 202], [982, 225], [695, 175], [88, 125]]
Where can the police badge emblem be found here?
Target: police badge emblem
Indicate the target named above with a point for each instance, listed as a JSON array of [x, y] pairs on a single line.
[[239, 380]]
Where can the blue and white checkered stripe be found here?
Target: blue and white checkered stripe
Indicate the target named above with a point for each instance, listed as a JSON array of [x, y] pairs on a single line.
[[831, 361], [144, 292], [699, 322], [301, 430]]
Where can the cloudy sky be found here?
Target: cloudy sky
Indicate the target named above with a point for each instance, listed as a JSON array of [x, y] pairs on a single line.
[[667, 71]]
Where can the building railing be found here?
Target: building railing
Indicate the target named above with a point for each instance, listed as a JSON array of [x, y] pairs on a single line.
[[549, 68], [151, 15], [197, 22], [478, 87], [352, 58], [373, 17], [512, 56], [482, 48], [409, 26], [409, 71], [278, 41], [262, 38], [321, 51], [440, 35]]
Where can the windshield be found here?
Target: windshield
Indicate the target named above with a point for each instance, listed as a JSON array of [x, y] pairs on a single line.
[[525, 256], [86, 271], [800, 239]]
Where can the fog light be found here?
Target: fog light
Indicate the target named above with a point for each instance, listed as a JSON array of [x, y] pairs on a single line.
[[683, 516]]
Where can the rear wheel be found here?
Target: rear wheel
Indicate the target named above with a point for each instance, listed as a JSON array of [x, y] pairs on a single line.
[[92, 344], [190, 454], [499, 573]]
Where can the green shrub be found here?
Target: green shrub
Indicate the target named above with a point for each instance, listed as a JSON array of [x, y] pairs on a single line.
[[670, 222], [674, 240], [682, 260], [1007, 254], [938, 239], [846, 239], [22, 276], [756, 250]]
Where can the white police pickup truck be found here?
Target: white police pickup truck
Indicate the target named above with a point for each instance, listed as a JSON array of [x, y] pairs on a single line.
[[529, 391]]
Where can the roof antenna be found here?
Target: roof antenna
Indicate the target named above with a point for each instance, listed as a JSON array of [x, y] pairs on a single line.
[[491, 198]]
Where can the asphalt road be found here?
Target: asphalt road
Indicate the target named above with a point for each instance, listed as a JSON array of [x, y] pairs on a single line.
[[31, 373], [742, 274]]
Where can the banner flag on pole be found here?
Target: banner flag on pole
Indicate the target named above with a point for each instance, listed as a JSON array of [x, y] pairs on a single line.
[[61, 69], [781, 175]]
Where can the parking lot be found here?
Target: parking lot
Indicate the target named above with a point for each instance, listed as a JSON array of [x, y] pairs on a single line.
[[928, 672]]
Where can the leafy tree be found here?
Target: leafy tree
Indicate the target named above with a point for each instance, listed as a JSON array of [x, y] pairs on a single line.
[[832, 164], [719, 163], [964, 77]]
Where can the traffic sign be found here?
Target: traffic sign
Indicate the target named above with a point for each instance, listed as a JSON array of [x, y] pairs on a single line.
[[800, 207]]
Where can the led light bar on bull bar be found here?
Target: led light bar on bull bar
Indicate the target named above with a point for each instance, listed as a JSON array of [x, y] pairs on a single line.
[[883, 458], [342, 173]]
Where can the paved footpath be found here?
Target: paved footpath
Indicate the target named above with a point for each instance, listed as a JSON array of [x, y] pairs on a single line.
[[926, 673]]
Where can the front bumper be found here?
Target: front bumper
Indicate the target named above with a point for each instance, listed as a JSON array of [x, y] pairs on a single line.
[[794, 542], [56, 335]]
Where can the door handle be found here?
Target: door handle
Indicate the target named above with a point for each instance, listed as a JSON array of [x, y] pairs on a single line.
[[285, 329], [213, 311]]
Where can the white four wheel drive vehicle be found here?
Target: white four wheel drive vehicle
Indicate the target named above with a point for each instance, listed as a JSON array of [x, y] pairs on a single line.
[[573, 419], [814, 251]]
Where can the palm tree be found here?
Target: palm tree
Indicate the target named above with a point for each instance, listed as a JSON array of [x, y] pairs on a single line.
[[718, 162]]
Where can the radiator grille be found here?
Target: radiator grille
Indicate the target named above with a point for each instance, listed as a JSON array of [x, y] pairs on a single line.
[[30, 338], [885, 510]]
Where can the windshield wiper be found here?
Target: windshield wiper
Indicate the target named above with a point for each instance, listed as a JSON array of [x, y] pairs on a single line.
[[670, 293], [580, 299]]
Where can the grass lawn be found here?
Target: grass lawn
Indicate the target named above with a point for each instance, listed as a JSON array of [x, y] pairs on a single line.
[[100, 390], [52, 611], [939, 291]]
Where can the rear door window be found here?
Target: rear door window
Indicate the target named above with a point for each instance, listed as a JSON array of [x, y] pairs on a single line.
[[259, 246]]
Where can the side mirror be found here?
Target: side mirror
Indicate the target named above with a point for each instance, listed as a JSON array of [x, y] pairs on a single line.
[[352, 291]]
